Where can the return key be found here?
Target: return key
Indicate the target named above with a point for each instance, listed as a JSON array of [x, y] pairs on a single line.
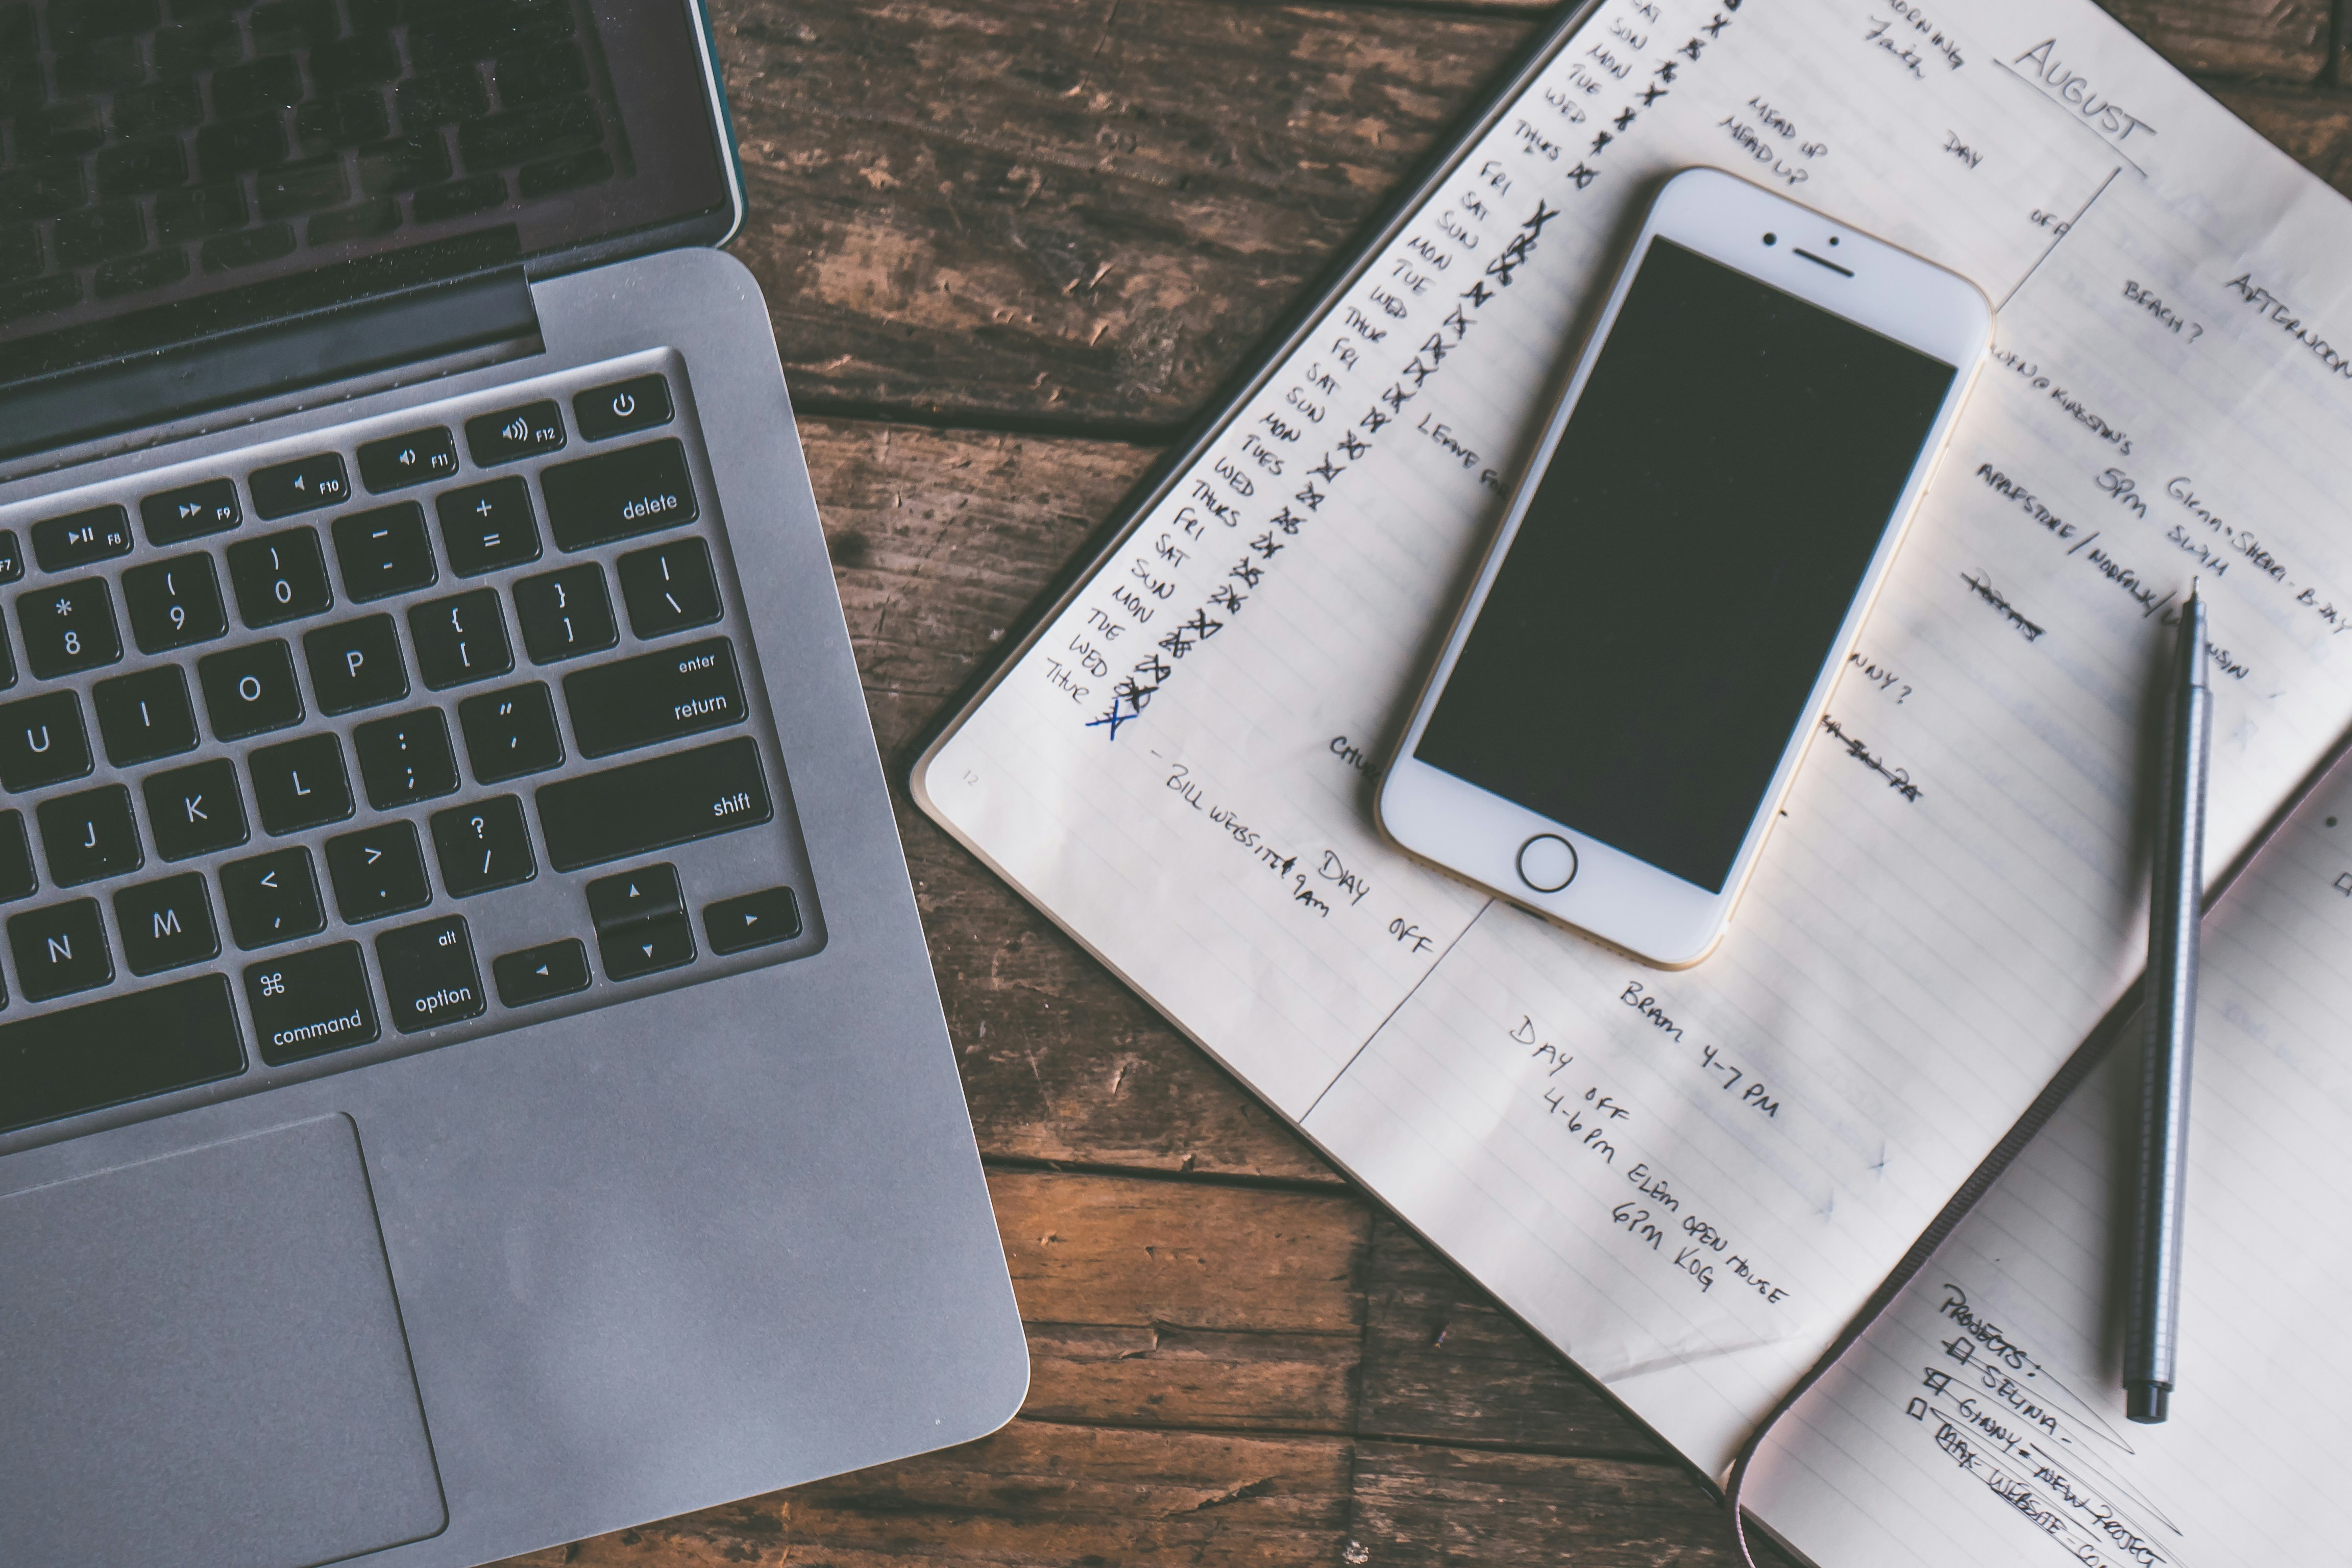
[[654, 696]]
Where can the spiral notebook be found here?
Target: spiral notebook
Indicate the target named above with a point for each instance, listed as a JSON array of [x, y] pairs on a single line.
[[1692, 1182]]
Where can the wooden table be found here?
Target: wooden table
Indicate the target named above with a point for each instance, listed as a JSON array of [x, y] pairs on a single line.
[[1012, 247]]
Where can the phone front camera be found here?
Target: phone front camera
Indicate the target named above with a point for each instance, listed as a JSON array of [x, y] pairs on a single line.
[[1771, 239], [1834, 239]]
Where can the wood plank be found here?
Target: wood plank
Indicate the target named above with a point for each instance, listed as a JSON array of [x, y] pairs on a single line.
[[1419, 1504], [2284, 38], [1089, 212], [1035, 1493], [1443, 1362], [940, 539], [1166, 1303], [2313, 126]]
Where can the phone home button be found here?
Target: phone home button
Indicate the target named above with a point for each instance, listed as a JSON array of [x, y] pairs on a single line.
[[1546, 862]]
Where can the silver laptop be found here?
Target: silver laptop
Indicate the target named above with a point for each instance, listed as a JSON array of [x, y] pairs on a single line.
[[470, 1075]]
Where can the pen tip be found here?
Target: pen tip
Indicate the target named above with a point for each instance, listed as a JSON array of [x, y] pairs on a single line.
[[2192, 590]]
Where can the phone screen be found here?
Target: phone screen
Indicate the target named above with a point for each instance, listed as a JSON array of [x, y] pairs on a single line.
[[1690, 552]]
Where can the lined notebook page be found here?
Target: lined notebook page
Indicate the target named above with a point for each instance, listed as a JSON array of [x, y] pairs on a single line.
[[1690, 1181], [1981, 1419]]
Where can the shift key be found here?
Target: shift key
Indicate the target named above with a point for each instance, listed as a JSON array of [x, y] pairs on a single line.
[[639, 807], [634, 702]]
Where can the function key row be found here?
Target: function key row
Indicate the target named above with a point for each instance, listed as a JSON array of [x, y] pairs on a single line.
[[397, 462]]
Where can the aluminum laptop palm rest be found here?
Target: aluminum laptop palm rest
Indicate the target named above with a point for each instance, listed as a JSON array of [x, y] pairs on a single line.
[[471, 1076]]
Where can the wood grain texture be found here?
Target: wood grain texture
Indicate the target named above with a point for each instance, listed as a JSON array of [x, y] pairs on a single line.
[[1441, 1363], [940, 541], [2282, 38], [1085, 211]]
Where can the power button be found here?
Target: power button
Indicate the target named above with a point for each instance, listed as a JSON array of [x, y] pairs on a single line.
[[1547, 863], [641, 402]]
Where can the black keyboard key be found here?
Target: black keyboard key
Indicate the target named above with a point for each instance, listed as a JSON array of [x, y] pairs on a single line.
[[640, 403], [42, 741], [397, 462], [16, 879], [355, 664], [166, 923], [12, 558], [60, 948], [272, 898], [139, 167], [93, 234], [300, 783], [251, 248], [646, 893], [460, 638], [652, 804], [646, 947], [191, 511], [251, 690], [195, 810], [174, 603], [483, 845], [669, 587], [68, 627], [385, 552], [306, 484], [429, 978], [618, 495], [145, 715], [510, 733], [442, 96], [365, 221], [459, 197], [118, 1049], [540, 974], [565, 613], [367, 60], [405, 163], [754, 919], [310, 1003], [654, 696], [488, 527], [406, 758], [89, 835], [228, 147], [256, 87], [512, 433], [279, 577], [77, 539], [378, 871], [201, 211]]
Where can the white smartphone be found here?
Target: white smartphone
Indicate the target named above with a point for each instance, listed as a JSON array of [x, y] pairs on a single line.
[[1652, 637]]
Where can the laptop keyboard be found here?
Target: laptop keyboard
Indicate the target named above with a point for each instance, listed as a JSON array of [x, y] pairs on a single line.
[[365, 744], [148, 139]]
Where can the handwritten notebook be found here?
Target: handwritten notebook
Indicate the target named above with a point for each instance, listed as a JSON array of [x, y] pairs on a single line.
[[1692, 1181], [1980, 1415]]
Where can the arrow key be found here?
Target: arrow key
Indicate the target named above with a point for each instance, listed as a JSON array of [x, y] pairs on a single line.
[[649, 892], [537, 973], [646, 947], [754, 919]]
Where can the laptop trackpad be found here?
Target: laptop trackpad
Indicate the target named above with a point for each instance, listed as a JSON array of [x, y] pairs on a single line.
[[201, 1359]]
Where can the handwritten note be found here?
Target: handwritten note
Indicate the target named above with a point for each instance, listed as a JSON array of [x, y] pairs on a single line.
[[1981, 1419], [1179, 766]]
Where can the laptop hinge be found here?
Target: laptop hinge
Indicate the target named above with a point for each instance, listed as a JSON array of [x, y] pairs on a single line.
[[414, 327]]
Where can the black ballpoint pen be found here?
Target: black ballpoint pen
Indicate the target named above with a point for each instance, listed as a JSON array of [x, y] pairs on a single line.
[[2169, 1001]]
